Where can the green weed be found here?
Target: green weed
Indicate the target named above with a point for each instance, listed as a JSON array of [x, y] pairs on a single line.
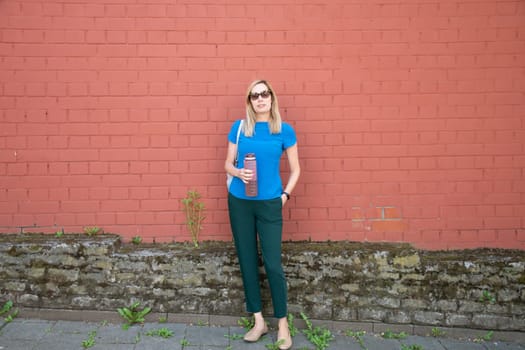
[[291, 326], [162, 332], [486, 337], [388, 334], [320, 337], [90, 341], [194, 210], [412, 347], [6, 310], [92, 230], [487, 297], [358, 336], [132, 315], [234, 336], [246, 323], [274, 346], [436, 332]]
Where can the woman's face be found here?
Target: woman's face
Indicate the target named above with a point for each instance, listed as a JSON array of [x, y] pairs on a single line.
[[261, 98]]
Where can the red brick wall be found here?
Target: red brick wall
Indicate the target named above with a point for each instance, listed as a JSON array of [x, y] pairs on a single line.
[[410, 115]]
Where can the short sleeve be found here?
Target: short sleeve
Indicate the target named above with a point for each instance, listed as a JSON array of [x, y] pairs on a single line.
[[232, 136], [289, 138]]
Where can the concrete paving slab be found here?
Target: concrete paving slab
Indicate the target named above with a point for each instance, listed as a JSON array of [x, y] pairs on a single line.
[[451, 344], [109, 347], [70, 327], [206, 335], [15, 344], [179, 330], [242, 345], [236, 332], [114, 334], [26, 329], [375, 342], [148, 341], [426, 342], [157, 343], [503, 346], [301, 342], [341, 341], [61, 341]]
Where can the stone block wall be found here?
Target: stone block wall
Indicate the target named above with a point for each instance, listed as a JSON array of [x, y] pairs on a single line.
[[340, 281]]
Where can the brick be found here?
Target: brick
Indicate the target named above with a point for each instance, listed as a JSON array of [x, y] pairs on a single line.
[[120, 206], [98, 193], [79, 206], [98, 167], [501, 222], [58, 169], [389, 226], [121, 180]]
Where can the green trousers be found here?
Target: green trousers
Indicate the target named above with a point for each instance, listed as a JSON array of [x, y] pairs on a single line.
[[254, 221]]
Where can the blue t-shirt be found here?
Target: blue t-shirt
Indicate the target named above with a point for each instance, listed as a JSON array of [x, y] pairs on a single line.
[[268, 149]]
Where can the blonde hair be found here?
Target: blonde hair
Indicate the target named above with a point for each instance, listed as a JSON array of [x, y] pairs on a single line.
[[275, 117]]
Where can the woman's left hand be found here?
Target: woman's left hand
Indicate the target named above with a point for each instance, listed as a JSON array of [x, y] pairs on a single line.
[[284, 199]]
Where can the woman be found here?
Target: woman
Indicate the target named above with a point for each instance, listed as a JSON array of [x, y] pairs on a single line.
[[259, 218]]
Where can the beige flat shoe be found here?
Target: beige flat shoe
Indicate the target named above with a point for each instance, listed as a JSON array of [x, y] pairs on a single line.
[[286, 342], [254, 335]]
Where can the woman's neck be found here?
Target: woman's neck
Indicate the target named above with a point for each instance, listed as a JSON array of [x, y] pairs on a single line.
[[262, 117]]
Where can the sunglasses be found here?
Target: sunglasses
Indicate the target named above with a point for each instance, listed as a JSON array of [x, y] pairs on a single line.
[[254, 96]]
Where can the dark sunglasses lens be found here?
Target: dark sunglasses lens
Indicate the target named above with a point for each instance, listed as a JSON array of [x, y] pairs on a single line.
[[264, 94]]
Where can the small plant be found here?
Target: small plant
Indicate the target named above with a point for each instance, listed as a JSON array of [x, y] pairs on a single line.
[[291, 326], [487, 297], [487, 337], [11, 317], [412, 347], [275, 346], [6, 310], [234, 336], [163, 319], [436, 332], [194, 211], [132, 315], [391, 335], [92, 230], [162, 332], [90, 341], [320, 337], [59, 234], [136, 240], [358, 336], [246, 323], [201, 323], [184, 342]]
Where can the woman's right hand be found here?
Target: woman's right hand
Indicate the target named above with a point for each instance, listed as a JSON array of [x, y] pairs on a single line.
[[245, 175]]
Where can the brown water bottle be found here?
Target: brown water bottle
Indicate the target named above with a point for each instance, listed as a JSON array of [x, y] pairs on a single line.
[[251, 164]]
